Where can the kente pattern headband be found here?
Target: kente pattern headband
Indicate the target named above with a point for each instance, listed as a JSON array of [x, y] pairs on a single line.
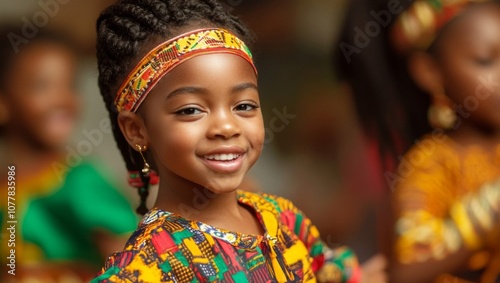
[[417, 27], [166, 56]]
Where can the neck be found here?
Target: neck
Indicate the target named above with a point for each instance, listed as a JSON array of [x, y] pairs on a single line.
[[195, 202], [470, 133], [24, 153]]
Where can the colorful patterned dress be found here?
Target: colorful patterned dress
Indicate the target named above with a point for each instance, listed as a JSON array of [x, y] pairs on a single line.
[[436, 178], [169, 248]]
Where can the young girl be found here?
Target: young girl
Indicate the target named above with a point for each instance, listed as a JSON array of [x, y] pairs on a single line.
[[181, 88], [63, 230], [453, 57], [447, 214]]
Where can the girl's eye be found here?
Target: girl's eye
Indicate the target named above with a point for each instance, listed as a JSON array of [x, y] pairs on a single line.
[[246, 107], [188, 111], [484, 61]]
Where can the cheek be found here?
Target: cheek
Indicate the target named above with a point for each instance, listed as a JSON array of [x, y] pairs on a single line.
[[475, 90], [462, 83], [490, 108], [255, 131], [26, 111], [171, 138]]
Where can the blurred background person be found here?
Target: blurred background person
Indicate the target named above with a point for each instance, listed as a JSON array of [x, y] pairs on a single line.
[[425, 85], [69, 216]]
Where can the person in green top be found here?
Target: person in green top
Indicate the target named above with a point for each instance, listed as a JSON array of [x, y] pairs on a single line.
[[69, 217]]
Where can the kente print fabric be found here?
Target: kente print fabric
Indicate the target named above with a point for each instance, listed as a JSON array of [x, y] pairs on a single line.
[[166, 56], [169, 248]]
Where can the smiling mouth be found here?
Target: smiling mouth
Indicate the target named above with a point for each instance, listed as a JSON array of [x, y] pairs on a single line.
[[222, 157]]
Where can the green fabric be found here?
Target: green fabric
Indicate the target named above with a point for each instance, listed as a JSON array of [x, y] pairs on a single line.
[[112, 271], [62, 223]]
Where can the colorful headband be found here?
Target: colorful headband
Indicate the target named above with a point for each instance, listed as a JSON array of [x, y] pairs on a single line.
[[166, 56], [417, 27]]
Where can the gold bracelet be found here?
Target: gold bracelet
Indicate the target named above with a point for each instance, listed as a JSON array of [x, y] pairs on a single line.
[[492, 195], [464, 225], [479, 213]]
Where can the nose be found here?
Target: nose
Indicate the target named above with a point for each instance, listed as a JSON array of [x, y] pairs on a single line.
[[223, 124], [65, 98]]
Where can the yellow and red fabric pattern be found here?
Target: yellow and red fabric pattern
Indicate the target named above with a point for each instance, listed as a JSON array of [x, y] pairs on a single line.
[[170, 248]]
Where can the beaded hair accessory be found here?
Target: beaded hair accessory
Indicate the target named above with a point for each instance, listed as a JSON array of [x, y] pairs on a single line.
[[134, 179], [166, 56], [417, 27]]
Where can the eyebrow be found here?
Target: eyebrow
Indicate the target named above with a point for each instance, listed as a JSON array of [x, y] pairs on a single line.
[[186, 89], [200, 90], [245, 86]]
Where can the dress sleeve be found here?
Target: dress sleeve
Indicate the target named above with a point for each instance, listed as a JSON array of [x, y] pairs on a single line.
[[434, 219], [422, 200], [98, 204], [128, 266], [337, 264]]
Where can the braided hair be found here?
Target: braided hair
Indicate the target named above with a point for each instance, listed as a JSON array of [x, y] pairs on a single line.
[[390, 106], [123, 32]]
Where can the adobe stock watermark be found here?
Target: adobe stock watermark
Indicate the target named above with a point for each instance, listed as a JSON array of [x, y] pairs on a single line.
[[39, 19], [363, 37], [200, 201], [426, 148], [75, 154], [277, 123]]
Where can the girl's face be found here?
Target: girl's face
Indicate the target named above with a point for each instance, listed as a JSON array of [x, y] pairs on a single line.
[[40, 96], [203, 122], [468, 55]]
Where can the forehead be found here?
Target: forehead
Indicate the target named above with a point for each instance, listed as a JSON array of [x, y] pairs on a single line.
[[210, 70], [41, 59], [40, 53], [478, 25]]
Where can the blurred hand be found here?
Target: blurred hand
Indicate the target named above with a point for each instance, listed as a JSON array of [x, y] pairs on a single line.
[[373, 270]]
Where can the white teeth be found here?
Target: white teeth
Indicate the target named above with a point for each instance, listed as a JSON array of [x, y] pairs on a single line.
[[222, 157]]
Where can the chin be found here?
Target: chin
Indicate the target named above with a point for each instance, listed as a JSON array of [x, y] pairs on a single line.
[[58, 143], [223, 187]]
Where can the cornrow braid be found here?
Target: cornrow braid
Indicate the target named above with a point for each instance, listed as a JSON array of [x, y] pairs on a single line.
[[124, 29]]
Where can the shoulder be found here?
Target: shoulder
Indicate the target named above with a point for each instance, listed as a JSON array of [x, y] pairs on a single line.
[[269, 201], [86, 167], [91, 179], [431, 159], [144, 251], [281, 209], [430, 150], [158, 226], [88, 180], [426, 175]]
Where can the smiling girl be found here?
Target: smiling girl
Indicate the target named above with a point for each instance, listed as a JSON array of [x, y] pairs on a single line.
[[182, 91]]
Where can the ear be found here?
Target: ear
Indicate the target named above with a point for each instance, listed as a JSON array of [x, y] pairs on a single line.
[[425, 71], [133, 128]]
